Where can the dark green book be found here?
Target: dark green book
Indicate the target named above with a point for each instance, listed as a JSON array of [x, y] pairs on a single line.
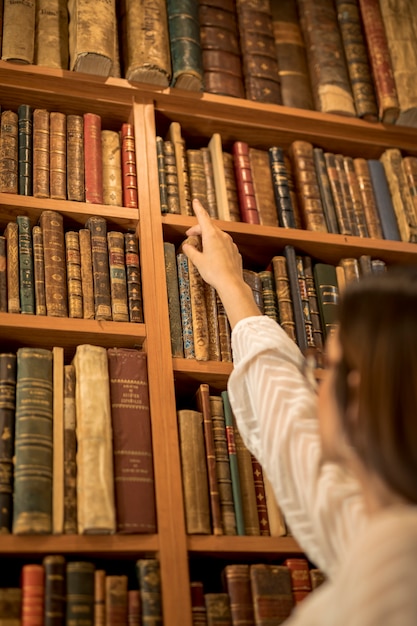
[[327, 295], [285, 209], [80, 593], [234, 468], [162, 180], [184, 35], [25, 149], [149, 578], [7, 421], [55, 591], [27, 284]]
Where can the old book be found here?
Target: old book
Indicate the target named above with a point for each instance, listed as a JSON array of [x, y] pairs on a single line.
[[74, 283], [380, 61], [314, 307], [244, 180], [149, 579], [41, 153], [99, 597], [341, 278], [118, 285], [307, 186], [39, 270], [271, 592], [409, 167], [210, 186], [365, 264], [231, 187], [198, 184], [311, 349], [86, 265], [58, 155], [26, 278], [129, 173], [93, 159], [132, 442], [210, 296], [216, 152], [18, 42], [354, 45], [269, 295], [253, 280], [328, 72], [263, 186], [260, 497], [198, 308], [356, 197], [336, 187], [58, 441], [325, 191], [162, 177], [10, 606], [32, 584], [259, 60], [327, 295], [75, 158], [184, 194], [134, 610], [277, 526], [347, 199], [370, 210], [32, 508], [177, 346], [218, 609], [52, 226], [293, 192], [241, 523], [282, 286], [383, 200], [300, 578], [51, 34], [237, 579], [203, 405], [95, 491], [185, 305], [7, 428], [11, 233], [171, 177], [378, 266], [184, 36], [317, 577], [25, 149], [133, 278], [350, 266], [70, 450], [101, 273], [55, 591], [296, 300], [247, 484], [116, 599], [9, 152], [291, 55], [3, 274], [280, 183], [91, 36], [224, 332], [406, 216], [147, 57], [198, 606], [80, 592], [112, 168]]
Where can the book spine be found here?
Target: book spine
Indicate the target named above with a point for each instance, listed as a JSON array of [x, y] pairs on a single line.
[[246, 192], [355, 193], [41, 153], [11, 606], [269, 294], [134, 612], [39, 270], [75, 158], [51, 34], [282, 195], [111, 168], [80, 592], [260, 497], [86, 266], [91, 50], [295, 296], [52, 226], [171, 176], [305, 304], [58, 156], [118, 284], [234, 465], [184, 34], [282, 286], [216, 153], [149, 578], [18, 43], [116, 600], [240, 593], [70, 450], [217, 608], [133, 278], [33, 594], [337, 193], [271, 592], [263, 187], [177, 345], [224, 332], [93, 159], [129, 172], [210, 294], [325, 191], [199, 314], [372, 220], [198, 186], [308, 190], [184, 194], [314, 307], [327, 295], [409, 166], [198, 606], [7, 424], [101, 274], [13, 275], [25, 148], [231, 188], [26, 279], [211, 190], [58, 440], [74, 285], [162, 177], [55, 591], [9, 152], [347, 201], [247, 485], [391, 159], [383, 200], [3, 274], [99, 597], [185, 305]]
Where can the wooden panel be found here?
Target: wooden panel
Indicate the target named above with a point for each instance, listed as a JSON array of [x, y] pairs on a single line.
[[229, 546]]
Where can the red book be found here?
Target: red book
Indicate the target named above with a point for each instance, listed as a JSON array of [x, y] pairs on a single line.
[[244, 181], [33, 595], [129, 174], [300, 577], [93, 159], [133, 607]]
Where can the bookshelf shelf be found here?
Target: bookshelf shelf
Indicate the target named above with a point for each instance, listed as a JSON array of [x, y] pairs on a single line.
[[234, 546]]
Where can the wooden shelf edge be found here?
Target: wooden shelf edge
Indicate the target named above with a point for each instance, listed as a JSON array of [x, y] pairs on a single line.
[[227, 545], [192, 366]]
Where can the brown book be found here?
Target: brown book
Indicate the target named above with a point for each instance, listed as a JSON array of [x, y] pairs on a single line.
[[291, 55], [307, 186], [132, 442], [51, 34], [400, 194], [194, 472], [70, 450], [244, 180], [198, 184], [116, 600], [86, 273], [134, 613], [210, 187], [11, 233], [3, 274], [336, 186], [74, 284], [380, 61], [198, 605], [58, 155], [317, 577], [171, 177], [300, 574], [282, 286], [328, 72], [52, 226], [117, 268], [253, 279], [91, 36], [258, 482], [9, 152], [218, 609], [247, 485], [260, 66], [263, 187], [373, 222], [409, 166], [175, 136], [99, 597], [198, 309], [75, 158], [93, 160], [238, 585], [112, 168], [129, 173], [269, 295], [33, 593], [100, 260], [41, 153], [58, 441], [231, 188], [356, 196], [177, 345], [39, 270], [271, 592], [10, 606], [350, 268], [210, 294], [224, 333], [18, 42], [346, 196], [133, 278], [54, 590]]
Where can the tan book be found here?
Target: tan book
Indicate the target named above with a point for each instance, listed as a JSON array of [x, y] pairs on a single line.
[[216, 153], [51, 36], [198, 309], [91, 36], [41, 153], [58, 155], [19, 17], [118, 285], [58, 441], [95, 490], [39, 270], [210, 187], [175, 136], [75, 158], [171, 176], [86, 273], [112, 168], [409, 166], [116, 599], [351, 269], [198, 184], [9, 152], [212, 322], [231, 187], [263, 186], [74, 284], [373, 222], [400, 194], [70, 450], [341, 278], [56, 291], [99, 597], [13, 277], [277, 526], [147, 51], [307, 186]]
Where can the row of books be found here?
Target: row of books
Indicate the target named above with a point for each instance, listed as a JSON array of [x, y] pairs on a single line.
[[90, 273], [77, 457], [67, 157], [62, 592], [304, 187], [256, 594], [354, 57]]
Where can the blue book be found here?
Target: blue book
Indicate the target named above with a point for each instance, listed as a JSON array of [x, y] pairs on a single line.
[[383, 200]]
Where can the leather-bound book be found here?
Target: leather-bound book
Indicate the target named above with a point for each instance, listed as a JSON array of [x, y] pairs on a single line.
[[86, 265], [305, 306], [162, 178], [271, 592], [231, 188], [75, 158], [95, 482], [26, 279], [325, 280], [58, 440], [99, 597], [295, 296], [317, 577], [39, 270], [260, 66], [101, 273], [293, 192], [9, 152], [337, 193], [383, 200], [80, 592], [263, 187], [149, 578], [346, 196], [51, 34], [280, 182], [223, 472], [356, 197], [409, 166], [11, 606], [18, 43], [210, 295], [244, 181], [198, 184], [314, 307], [134, 612], [260, 497], [184, 194], [350, 266], [391, 159], [242, 524], [370, 210], [93, 159], [253, 280], [32, 507], [91, 36], [55, 591], [224, 332], [70, 450], [58, 155], [112, 168], [269, 295], [220, 48], [33, 594], [328, 72], [203, 405], [291, 55], [116, 600], [184, 36], [129, 173], [198, 309], [177, 346], [73, 259], [210, 186], [132, 442], [3, 274], [378, 266], [216, 152], [7, 423], [380, 61], [133, 278], [41, 153], [282, 286], [325, 191], [185, 305], [300, 575], [198, 605], [218, 609], [147, 55], [11, 233], [118, 285], [25, 148], [52, 226], [238, 585], [354, 45], [171, 177], [308, 190], [365, 265]]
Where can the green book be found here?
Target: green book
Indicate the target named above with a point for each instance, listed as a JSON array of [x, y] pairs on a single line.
[[184, 36], [27, 286], [80, 593], [327, 295], [234, 468], [149, 578]]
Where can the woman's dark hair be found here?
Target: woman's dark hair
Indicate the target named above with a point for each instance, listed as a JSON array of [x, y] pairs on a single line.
[[378, 336]]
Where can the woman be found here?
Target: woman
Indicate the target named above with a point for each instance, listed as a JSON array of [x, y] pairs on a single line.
[[343, 462]]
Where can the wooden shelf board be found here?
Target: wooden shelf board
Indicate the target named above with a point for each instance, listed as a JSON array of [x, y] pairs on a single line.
[[224, 546]]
